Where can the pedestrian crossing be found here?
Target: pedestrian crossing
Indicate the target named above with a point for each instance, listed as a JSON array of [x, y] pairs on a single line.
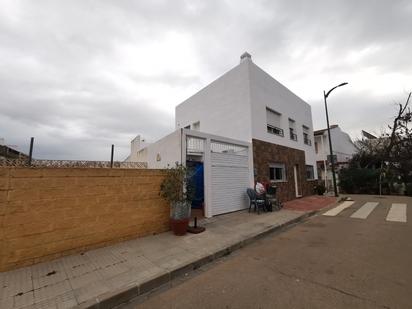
[[365, 210], [338, 209], [396, 213]]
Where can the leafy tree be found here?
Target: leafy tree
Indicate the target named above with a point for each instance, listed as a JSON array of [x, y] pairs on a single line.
[[390, 155]]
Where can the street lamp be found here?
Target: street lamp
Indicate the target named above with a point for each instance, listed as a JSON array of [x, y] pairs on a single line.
[[325, 95]]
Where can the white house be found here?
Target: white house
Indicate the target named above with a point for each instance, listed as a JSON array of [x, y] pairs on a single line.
[[343, 150], [248, 104], [250, 125]]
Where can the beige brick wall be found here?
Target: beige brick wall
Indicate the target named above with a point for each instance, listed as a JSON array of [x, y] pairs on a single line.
[[49, 212]]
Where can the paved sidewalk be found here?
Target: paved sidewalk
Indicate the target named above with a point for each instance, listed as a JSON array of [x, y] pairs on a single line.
[[114, 274]]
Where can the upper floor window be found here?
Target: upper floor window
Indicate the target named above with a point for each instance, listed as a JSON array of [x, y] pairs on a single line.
[[316, 147], [292, 130], [273, 122], [306, 138]]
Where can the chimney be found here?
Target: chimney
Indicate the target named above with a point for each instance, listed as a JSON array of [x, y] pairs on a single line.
[[245, 56]]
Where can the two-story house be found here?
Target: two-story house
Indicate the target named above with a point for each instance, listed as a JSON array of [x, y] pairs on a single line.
[[248, 104], [242, 125], [343, 150]]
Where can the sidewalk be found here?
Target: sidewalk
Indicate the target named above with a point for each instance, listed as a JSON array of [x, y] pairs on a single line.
[[111, 275]]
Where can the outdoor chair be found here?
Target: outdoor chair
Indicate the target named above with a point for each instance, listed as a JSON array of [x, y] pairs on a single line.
[[255, 200], [271, 196]]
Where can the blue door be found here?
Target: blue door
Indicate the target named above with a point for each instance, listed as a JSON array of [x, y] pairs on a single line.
[[196, 169]]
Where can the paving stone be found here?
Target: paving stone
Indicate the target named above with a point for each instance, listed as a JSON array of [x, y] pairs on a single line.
[[17, 281], [113, 270], [6, 303], [77, 265], [24, 300], [48, 274], [85, 280], [63, 301], [52, 291], [91, 291], [103, 258]]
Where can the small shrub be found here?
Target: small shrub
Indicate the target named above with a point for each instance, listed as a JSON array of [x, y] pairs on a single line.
[[359, 180]]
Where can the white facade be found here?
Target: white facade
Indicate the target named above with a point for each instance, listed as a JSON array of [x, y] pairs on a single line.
[[343, 149], [164, 153], [342, 145], [235, 106], [228, 165]]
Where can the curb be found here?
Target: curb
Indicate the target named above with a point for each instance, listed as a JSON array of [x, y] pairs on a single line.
[[123, 295]]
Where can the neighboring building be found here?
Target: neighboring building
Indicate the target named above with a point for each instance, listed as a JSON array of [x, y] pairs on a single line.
[[367, 135], [343, 150], [7, 152], [249, 125]]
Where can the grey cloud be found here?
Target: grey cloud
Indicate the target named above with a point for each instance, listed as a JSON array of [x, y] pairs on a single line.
[[56, 58]]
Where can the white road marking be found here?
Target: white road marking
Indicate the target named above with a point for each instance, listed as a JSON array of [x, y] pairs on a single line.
[[334, 211], [397, 213], [365, 210]]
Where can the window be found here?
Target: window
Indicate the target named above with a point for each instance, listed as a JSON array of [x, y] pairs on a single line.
[[316, 147], [292, 130], [273, 122], [277, 172], [306, 138], [310, 172]]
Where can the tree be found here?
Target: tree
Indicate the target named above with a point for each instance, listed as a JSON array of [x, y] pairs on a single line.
[[390, 154]]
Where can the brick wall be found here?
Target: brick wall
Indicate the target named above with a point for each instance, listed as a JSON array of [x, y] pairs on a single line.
[[49, 212], [265, 153]]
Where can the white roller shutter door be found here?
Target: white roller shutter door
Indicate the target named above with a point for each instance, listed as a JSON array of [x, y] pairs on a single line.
[[230, 179]]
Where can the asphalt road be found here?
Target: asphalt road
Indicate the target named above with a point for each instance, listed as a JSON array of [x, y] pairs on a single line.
[[325, 262]]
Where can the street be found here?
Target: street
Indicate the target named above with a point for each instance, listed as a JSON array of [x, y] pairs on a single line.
[[328, 261]]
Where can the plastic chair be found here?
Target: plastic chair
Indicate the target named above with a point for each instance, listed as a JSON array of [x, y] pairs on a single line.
[[254, 200]]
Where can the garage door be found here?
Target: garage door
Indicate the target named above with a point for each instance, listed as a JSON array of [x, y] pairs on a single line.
[[229, 178]]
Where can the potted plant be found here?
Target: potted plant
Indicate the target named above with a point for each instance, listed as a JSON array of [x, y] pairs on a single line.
[[177, 188]]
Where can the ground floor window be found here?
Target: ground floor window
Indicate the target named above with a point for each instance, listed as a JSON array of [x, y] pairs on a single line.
[[277, 172], [310, 174]]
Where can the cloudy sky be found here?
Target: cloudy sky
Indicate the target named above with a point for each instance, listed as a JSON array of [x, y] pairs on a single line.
[[82, 75]]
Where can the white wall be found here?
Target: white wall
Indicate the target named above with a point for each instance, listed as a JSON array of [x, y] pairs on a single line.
[[342, 145], [167, 149], [267, 92], [136, 145], [235, 104], [222, 108]]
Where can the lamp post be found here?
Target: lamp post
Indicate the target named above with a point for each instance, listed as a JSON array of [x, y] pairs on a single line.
[[325, 95]]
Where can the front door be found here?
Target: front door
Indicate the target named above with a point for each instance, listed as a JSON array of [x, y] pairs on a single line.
[[296, 178]]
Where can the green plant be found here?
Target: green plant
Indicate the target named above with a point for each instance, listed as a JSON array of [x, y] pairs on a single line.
[[359, 180], [178, 189]]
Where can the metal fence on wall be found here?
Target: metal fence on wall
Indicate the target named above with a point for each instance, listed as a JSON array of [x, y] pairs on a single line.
[[4, 162]]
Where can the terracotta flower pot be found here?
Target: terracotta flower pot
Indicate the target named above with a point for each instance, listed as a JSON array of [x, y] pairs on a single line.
[[179, 227]]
